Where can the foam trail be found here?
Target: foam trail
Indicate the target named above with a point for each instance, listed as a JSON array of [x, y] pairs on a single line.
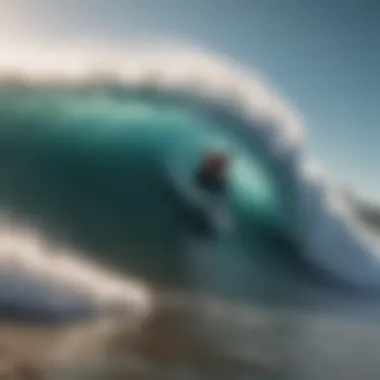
[[330, 236], [44, 282]]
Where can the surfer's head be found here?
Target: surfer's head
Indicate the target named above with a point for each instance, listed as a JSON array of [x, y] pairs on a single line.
[[214, 162]]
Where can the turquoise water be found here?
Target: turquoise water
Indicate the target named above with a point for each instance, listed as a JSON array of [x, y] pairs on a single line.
[[98, 168]]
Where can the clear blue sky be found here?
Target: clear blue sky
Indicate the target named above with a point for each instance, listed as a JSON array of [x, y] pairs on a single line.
[[323, 54]]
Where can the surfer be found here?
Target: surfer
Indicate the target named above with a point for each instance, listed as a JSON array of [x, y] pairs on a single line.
[[211, 179], [211, 173], [201, 196]]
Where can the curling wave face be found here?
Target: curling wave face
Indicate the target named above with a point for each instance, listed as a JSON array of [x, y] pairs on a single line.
[[86, 157]]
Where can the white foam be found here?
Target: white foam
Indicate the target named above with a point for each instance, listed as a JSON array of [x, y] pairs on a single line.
[[50, 269]]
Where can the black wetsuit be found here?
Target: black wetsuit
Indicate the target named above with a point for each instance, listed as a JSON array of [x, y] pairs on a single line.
[[214, 184]]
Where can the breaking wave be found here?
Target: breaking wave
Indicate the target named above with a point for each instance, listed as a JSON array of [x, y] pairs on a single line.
[[85, 144]]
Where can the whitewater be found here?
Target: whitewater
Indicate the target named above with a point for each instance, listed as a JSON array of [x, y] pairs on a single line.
[[89, 142]]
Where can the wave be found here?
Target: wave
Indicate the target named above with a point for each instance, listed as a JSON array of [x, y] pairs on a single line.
[[84, 144]]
